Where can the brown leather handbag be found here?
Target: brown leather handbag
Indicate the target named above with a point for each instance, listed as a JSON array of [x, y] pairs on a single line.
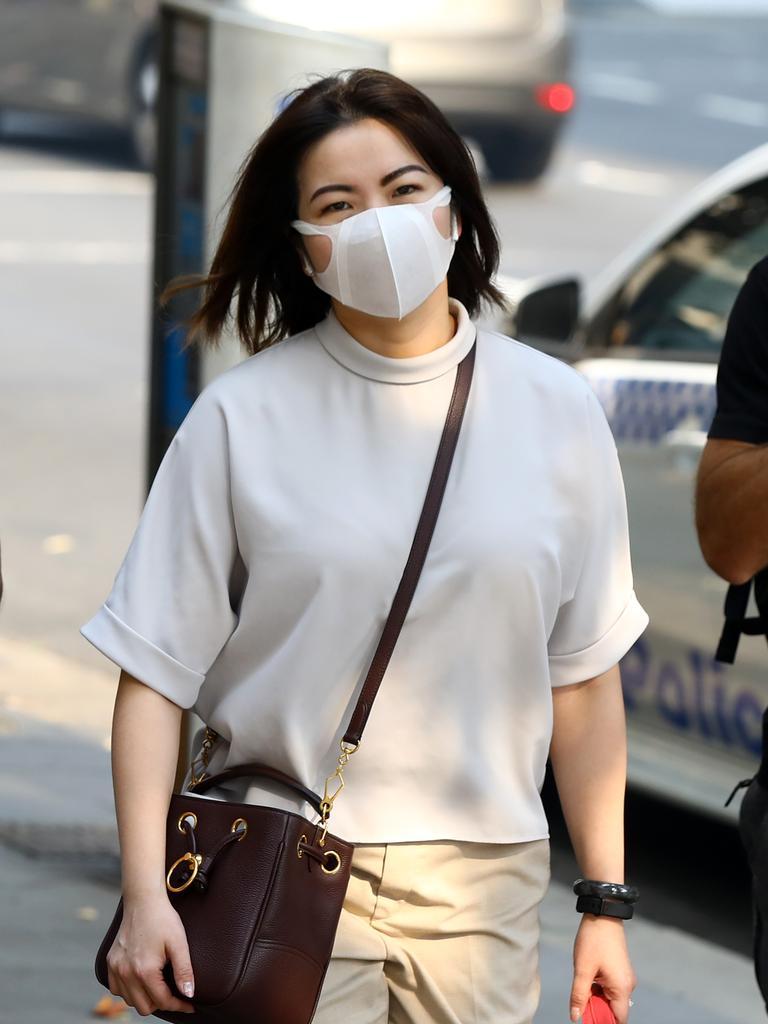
[[260, 890]]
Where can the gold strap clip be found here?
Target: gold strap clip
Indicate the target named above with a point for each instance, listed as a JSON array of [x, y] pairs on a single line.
[[202, 758], [326, 804]]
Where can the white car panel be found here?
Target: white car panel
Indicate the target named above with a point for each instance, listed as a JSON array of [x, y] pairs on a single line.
[[650, 332]]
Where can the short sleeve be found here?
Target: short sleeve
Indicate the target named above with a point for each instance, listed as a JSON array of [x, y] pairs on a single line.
[[742, 375], [170, 610], [598, 624]]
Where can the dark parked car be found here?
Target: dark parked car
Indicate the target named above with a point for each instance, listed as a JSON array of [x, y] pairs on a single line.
[[498, 68], [90, 58]]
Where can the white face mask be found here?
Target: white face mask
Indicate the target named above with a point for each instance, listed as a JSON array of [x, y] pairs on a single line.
[[385, 261]]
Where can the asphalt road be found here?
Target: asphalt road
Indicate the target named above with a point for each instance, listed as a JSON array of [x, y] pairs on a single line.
[[695, 93], [662, 102]]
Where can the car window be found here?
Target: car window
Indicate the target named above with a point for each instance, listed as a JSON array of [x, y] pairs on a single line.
[[680, 297]]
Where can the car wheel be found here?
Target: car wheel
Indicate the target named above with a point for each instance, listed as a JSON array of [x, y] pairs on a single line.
[[517, 154], [144, 89]]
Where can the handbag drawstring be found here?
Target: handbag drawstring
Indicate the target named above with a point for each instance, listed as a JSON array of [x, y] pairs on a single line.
[[198, 866]]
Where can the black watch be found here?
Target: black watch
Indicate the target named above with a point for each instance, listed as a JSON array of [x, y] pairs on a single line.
[[606, 890], [604, 908]]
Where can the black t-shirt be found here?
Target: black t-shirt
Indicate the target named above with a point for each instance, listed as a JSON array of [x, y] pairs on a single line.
[[742, 377]]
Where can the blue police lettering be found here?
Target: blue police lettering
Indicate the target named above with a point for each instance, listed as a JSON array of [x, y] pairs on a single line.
[[693, 696], [671, 697]]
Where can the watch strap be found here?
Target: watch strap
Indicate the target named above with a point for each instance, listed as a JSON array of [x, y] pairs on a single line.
[[604, 908]]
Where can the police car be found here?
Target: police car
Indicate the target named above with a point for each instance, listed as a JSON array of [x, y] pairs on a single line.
[[647, 334]]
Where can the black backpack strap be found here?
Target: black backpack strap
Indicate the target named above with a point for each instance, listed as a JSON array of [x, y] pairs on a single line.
[[736, 601], [762, 772], [761, 776], [736, 623], [761, 597], [736, 619]]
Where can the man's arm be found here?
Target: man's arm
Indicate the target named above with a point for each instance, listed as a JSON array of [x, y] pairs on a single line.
[[732, 508], [732, 482]]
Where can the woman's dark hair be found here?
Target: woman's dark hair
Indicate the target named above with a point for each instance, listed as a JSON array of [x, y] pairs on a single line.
[[256, 256]]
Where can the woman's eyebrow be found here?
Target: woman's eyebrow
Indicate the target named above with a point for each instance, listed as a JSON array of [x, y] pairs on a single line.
[[384, 181]]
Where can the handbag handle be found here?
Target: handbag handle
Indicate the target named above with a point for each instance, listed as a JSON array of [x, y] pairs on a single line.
[[400, 603], [259, 770]]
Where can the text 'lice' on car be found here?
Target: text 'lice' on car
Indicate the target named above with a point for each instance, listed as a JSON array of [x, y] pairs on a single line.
[[647, 333]]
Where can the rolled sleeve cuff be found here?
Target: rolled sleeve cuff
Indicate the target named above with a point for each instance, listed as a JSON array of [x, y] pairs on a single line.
[[605, 652], [141, 658]]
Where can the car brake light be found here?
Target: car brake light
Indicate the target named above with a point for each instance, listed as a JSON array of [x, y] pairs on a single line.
[[556, 96]]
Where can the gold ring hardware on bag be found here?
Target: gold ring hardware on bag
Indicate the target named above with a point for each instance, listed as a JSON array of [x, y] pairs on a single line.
[[195, 860], [298, 846], [326, 804], [236, 827], [182, 817], [335, 857]]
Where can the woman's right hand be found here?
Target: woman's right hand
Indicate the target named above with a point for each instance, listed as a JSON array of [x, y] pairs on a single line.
[[150, 934]]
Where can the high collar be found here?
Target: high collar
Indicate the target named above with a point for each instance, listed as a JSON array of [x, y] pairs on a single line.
[[348, 351]]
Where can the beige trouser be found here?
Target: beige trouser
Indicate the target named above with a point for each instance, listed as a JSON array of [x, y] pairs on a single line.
[[438, 933]]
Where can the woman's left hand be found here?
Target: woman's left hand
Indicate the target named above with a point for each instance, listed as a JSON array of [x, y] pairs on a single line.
[[600, 956]]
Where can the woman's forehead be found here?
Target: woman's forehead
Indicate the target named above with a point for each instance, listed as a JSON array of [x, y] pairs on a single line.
[[365, 150]]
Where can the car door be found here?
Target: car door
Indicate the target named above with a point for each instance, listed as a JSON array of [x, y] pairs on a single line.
[[651, 356], [26, 42], [87, 68], [69, 56]]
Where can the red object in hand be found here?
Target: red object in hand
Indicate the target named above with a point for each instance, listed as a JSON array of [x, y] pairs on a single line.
[[598, 1009]]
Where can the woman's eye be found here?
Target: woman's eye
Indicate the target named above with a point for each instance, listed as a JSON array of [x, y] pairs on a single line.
[[341, 205], [336, 207]]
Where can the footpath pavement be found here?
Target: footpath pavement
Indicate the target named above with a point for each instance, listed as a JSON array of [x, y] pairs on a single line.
[[59, 872]]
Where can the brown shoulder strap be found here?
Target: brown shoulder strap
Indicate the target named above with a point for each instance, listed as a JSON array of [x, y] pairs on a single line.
[[418, 552]]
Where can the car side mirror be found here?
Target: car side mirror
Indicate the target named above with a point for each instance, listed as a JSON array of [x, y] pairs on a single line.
[[548, 316]]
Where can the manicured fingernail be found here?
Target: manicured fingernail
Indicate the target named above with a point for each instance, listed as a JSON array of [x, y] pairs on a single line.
[[187, 988], [574, 1013]]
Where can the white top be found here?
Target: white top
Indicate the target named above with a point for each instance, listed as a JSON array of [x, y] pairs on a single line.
[[273, 538]]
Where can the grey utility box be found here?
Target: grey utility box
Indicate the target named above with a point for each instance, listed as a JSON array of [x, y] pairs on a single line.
[[224, 74]]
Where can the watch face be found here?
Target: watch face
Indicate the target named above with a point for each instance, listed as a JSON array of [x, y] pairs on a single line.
[[598, 1011]]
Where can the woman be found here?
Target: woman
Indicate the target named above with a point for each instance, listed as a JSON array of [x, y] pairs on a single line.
[[257, 582]]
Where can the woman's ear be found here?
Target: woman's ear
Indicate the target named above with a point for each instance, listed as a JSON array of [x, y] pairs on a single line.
[[455, 225], [306, 264]]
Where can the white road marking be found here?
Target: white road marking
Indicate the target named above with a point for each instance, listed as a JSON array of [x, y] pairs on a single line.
[[609, 86], [34, 181], [752, 113], [90, 253], [622, 179]]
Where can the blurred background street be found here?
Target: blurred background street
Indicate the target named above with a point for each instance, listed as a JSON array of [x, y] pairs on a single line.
[[664, 97]]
